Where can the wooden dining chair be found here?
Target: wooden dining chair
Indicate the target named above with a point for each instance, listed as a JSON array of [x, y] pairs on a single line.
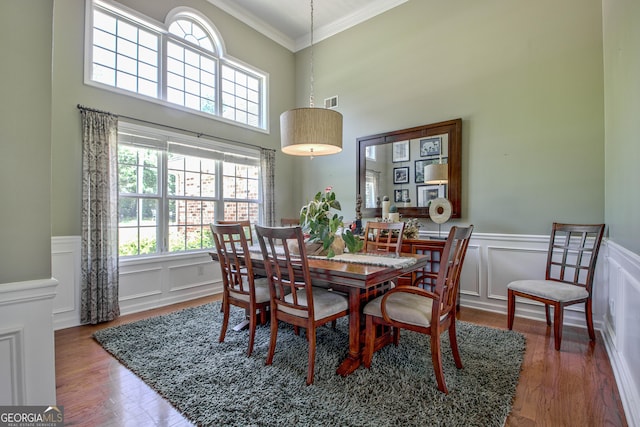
[[246, 226], [571, 263], [289, 222], [239, 286], [294, 299], [421, 310], [383, 237]]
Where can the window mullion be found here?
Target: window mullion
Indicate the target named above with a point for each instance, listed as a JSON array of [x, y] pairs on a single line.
[[163, 73], [163, 220], [219, 204]]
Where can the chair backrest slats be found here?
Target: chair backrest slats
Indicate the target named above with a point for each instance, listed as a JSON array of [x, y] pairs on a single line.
[[573, 252], [287, 272], [246, 226], [383, 236], [231, 246], [451, 262]]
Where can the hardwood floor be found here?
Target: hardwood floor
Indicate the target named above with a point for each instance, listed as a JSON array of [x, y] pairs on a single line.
[[573, 387]]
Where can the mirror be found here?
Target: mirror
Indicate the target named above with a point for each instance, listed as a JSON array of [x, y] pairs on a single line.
[[392, 164]]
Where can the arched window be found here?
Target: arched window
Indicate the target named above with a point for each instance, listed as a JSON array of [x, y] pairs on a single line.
[[192, 71]]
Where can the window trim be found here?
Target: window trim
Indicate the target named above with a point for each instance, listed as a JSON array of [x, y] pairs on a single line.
[[162, 30]]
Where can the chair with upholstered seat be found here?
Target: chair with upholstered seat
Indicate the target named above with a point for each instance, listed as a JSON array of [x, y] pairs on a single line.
[[294, 299], [240, 287], [421, 310], [571, 263], [383, 237]]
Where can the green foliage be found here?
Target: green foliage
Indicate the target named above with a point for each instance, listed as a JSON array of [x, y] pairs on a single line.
[[147, 246], [318, 222], [354, 244]]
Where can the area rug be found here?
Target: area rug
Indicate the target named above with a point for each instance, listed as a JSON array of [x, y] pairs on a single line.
[[216, 384]]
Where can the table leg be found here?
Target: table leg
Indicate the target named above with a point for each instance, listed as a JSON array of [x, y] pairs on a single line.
[[354, 358]]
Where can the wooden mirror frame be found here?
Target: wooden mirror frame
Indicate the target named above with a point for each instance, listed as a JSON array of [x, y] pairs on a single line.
[[454, 130]]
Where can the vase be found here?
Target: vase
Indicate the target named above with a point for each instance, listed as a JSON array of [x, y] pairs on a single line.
[[338, 245], [312, 248], [315, 248]]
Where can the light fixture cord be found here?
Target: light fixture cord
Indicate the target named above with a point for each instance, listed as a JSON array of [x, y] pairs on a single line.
[[311, 91]]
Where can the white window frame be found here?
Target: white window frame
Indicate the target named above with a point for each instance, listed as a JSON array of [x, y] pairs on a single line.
[[149, 24], [161, 140]]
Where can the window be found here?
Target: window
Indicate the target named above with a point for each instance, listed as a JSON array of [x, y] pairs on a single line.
[[171, 187], [370, 152], [181, 64], [371, 188]]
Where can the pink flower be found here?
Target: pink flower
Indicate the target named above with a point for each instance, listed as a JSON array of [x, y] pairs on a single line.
[[328, 189]]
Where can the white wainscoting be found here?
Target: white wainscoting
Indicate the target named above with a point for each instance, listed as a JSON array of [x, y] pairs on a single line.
[[27, 355], [621, 330], [492, 262], [144, 283]]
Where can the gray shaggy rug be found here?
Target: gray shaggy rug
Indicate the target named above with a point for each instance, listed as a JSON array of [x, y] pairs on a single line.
[[216, 384]]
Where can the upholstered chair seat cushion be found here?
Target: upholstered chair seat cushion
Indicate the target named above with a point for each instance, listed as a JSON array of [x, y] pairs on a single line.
[[262, 291], [549, 289], [403, 307], [325, 303]]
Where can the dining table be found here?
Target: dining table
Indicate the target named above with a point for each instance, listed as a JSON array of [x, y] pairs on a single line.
[[361, 277]]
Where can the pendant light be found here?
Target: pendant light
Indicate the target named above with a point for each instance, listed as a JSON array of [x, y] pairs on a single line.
[[311, 131]]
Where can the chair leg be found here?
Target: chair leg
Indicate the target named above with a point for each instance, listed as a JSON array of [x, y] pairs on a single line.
[[225, 320], [511, 308], [589, 314], [311, 333], [369, 339], [547, 314], [436, 358], [272, 340], [558, 315], [453, 340], [253, 319]]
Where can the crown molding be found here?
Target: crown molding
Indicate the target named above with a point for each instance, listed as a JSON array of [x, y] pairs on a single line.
[[372, 9]]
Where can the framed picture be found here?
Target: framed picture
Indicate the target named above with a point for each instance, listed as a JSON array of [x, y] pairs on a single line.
[[419, 168], [401, 195], [400, 152], [427, 193], [430, 146], [401, 175]]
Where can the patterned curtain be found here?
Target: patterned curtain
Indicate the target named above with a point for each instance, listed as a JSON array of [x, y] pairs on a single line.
[[99, 293], [268, 167]]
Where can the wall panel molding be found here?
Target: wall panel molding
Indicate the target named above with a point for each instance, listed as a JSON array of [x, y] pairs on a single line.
[[27, 357], [12, 367]]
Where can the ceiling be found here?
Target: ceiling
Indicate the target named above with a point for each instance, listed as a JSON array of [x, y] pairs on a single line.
[[288, 22]]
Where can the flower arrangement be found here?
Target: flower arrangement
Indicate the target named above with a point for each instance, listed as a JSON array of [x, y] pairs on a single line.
[[411, 229], [322, 225]]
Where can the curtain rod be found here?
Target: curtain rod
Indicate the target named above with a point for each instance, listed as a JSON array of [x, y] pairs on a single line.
[[197, 134]]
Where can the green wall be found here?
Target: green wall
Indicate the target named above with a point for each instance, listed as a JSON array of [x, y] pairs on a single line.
[[241, 42], [622, 128], [25, 140], [526, 78]]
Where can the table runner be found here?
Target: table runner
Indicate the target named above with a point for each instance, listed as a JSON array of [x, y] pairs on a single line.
[[390, 260]]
